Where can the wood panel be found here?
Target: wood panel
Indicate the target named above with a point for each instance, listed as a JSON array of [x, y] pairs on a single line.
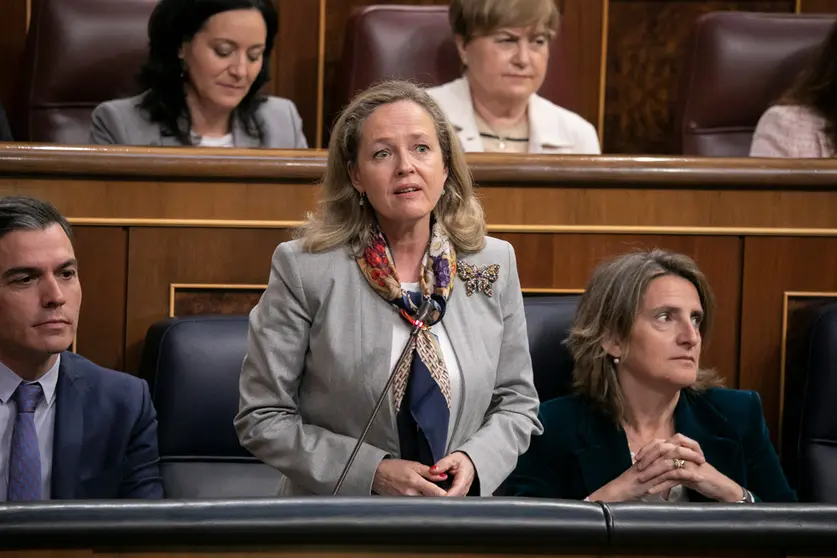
[[508, 208], [159, 257], [771, 268], [583, 25], [194, 187], [198, 216], [547, 261], [566, 261], [193, 300], [12, 42], [295, 60], [647, 41], [818, 6], [102, 253]]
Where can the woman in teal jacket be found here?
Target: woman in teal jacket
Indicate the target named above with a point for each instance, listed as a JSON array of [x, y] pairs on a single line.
[[647, 423]]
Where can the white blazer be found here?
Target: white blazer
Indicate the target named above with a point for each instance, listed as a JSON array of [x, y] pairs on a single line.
[[552, 129]]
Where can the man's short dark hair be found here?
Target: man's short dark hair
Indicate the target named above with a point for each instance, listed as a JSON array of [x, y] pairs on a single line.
[[20, 213]]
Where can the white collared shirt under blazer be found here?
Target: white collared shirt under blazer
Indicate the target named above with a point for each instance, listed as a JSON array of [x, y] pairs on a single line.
[[552, 129], [319, 354]]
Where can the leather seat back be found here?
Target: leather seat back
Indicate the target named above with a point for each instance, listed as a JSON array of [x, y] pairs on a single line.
[[193, 365], [737, 65], [548, 322], [79, 53]]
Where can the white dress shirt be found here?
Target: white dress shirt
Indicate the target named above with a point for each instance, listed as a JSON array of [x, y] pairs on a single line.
[[44, 424]]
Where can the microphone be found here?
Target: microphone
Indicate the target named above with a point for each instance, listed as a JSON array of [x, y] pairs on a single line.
[[422, 315]]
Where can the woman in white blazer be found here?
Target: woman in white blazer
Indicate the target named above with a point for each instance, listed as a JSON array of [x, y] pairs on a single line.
[[399, 227], [504, 47]]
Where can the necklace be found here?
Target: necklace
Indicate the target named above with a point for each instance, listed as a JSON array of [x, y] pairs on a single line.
[[517, 134], [502, 140]]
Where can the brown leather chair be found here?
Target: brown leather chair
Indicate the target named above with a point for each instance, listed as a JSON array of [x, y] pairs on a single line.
[[79, 53], [415, 42], [737, 65]]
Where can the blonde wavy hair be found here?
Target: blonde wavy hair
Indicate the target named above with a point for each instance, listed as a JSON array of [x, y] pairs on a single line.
[[340, 221], [608, 309]]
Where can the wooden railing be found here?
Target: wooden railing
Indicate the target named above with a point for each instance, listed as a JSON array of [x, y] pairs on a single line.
[[152, 224]]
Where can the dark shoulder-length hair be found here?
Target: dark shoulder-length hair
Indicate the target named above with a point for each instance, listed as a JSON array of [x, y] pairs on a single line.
[[816, 86], [174, 22]]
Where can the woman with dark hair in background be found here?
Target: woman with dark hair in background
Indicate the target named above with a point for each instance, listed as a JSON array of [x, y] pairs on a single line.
[[207, 61], [803, 123]]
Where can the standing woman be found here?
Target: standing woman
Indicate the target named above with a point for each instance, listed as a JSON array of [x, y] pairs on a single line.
[[398, 224], [207, 61]]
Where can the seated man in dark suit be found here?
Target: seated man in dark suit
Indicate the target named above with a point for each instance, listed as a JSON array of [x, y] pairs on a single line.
[[5, 132], [68, 428]]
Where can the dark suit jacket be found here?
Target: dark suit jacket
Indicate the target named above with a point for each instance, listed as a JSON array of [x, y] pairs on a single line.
[[105, 442], [581, 449]]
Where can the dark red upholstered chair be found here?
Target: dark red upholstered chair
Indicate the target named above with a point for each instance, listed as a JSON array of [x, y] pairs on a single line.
[[737, 65], [79, 53]]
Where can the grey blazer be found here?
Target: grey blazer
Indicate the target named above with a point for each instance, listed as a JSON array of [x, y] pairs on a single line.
[[319, 351], [121, 122]]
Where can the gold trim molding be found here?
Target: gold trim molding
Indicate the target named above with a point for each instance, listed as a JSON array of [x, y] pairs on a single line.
[[600, 121], [499, 228]]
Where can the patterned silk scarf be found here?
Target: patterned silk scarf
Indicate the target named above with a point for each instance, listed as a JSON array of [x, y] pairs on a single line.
[[422, 385]]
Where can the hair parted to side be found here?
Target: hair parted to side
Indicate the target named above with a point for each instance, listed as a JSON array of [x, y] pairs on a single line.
[[341, 221], [22, 213], [174, 22], [475, 18], [816, 86], [608, 309]]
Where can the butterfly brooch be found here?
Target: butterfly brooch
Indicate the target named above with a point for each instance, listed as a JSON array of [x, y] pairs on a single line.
[[478, 278]]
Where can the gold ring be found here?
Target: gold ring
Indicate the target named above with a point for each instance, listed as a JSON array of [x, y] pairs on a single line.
[[678, 463]]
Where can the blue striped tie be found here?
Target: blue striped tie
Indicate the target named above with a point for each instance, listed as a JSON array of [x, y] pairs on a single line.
[[25, 458]]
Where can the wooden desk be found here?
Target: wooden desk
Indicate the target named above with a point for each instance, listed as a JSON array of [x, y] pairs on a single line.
[[179, 231]]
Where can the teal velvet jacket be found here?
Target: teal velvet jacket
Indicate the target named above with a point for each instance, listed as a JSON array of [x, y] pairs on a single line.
[[581, 449]]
